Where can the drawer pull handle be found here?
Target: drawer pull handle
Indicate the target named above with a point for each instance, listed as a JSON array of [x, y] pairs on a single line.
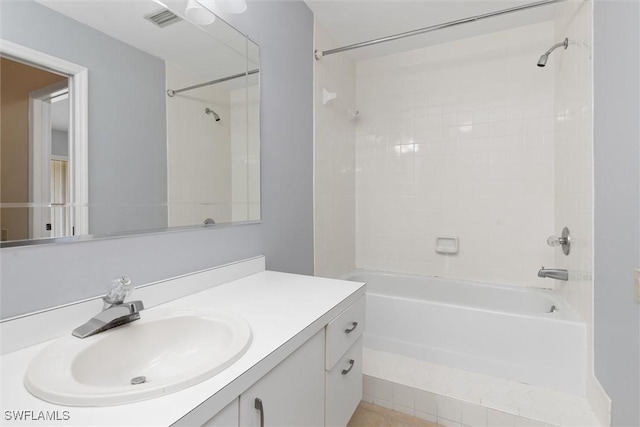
[[258, 405], [351, 363], [354, 325]]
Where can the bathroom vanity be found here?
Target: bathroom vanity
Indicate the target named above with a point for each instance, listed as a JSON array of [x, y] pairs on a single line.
[[303, 367]]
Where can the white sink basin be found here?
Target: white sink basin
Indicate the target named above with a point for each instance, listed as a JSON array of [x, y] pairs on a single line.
[[173, 349]]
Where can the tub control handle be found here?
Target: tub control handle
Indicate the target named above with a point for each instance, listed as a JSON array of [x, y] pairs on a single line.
[[563, 240], [257, 404], [351, 363], [354, 325]]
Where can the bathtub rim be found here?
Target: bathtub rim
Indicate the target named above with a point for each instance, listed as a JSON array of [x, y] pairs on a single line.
[[565, 313]]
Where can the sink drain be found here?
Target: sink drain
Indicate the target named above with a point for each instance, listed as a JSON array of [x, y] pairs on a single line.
[[138, 380]]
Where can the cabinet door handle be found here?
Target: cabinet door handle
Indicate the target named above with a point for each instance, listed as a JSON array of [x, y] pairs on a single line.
[[258, 405], [351, 363], [354, 325]]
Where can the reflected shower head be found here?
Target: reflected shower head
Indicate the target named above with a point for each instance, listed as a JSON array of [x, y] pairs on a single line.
[[210, 111], [543, 59]]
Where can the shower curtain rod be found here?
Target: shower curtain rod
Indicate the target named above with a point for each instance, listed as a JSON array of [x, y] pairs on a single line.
[[319, 54], [171, 92]]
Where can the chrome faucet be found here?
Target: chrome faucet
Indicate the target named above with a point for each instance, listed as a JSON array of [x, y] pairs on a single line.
[[115, 311], [553, 273]]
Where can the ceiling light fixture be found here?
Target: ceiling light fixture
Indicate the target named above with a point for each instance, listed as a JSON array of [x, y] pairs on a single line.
[[198, 14]]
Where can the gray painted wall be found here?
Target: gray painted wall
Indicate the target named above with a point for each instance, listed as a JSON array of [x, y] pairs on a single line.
[[617, 206], [43, 276], [127, 129]]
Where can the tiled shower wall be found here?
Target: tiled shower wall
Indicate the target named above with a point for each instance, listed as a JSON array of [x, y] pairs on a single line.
[[457, 139], [334, 162], [574, 174], [245, 152], [230, 190], [574, 156], [189, 126]]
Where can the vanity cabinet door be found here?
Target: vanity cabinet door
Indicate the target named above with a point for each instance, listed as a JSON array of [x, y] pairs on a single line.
[[292, 393], [228, 417]]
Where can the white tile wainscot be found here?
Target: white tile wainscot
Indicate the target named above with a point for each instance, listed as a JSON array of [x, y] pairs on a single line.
[[284, 310], [454, 397]]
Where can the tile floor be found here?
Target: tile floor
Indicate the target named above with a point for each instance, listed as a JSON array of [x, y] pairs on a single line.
[[453, 397]]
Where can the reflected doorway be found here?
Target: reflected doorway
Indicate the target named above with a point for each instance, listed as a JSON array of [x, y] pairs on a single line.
[[43, 153], [49, 117]]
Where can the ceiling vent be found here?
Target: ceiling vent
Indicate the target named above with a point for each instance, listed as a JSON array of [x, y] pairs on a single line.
[[162, 17]]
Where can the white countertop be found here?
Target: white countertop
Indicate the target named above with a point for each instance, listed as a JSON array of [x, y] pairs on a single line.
[[284, 310]]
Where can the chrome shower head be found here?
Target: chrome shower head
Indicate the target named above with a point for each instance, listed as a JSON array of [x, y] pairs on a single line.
[[210, 111], [543, 59]]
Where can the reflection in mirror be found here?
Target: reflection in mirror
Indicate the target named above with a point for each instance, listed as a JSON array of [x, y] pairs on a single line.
[[156, 158], [34, 125]]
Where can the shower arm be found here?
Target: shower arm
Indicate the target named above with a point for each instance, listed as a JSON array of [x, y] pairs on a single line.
[[564, 43]]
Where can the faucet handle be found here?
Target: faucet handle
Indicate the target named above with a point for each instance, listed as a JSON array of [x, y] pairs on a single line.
[[119, 289], [556, 241], [563, 240]]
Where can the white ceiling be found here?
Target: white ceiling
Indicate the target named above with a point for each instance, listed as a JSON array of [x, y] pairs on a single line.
[[211, 51], [354, 21]]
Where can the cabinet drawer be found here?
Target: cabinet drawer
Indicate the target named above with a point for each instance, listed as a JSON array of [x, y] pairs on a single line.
[[343, 331], [344, 387]]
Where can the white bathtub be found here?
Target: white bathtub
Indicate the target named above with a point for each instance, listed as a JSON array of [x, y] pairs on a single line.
[[502, 331]]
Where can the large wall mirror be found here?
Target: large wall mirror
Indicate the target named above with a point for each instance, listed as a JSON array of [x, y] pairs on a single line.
[[120, 117]]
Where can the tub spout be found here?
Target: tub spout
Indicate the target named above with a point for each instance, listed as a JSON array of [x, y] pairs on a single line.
[[554, 273]]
